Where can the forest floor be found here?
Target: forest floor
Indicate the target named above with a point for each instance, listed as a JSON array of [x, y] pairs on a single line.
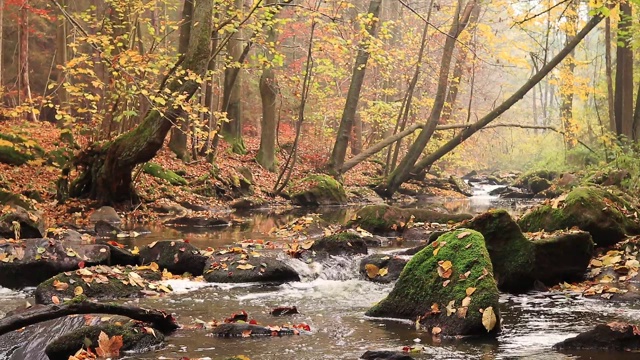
[[40, 177]]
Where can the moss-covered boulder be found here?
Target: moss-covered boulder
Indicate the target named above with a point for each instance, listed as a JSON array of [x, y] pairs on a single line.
[[236, 266], [460, 186], [383, 219], [248, 203], [100, 282], [159, 172], [537, 185], [382, 268], [318, 190], [524, 181], [449, 286], [519, 261], [136, 337], [29, 262], [176, 256], [607, 217]]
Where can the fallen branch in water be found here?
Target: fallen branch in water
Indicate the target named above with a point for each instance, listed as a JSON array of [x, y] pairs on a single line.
[[39, 313]]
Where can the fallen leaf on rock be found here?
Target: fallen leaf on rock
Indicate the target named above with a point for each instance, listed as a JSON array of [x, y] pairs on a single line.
[[246, 333], [372, 270], [489, 318], [464, 234], [55, 300], [245, 267], [436, 330], [383, 271], [59, 285], [108, 346], [78, 290]]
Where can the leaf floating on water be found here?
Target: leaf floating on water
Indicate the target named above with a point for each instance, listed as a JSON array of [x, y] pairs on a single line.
[[372, 270], [489, 318], [470, 291], [464, 234]]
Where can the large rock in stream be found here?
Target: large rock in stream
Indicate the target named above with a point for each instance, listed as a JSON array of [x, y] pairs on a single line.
[[136, 337], [449, 286], [383, 219], [382, 268], [30, 223], [614, 336], [100, 282], [239, 266], [176, 256], [518, 262], [29, 262], [607, 217]]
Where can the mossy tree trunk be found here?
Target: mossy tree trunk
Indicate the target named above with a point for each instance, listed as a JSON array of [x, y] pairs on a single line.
[[232, 129], [106, 168], [178, 140], [268, 93]]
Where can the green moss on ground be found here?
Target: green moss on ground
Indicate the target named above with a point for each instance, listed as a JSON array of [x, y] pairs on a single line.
[[158, 171], [420, 286]]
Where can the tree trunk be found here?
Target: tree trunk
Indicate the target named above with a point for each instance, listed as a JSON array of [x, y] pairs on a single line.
[[1, 40], [623, 98], [356, 140], [427, 161], [268, 93], [353, 95], [24, 88], [61, 54], [107, 168], [608, 69], [178, 140], [567, 81], [402, 172], [232, 129]]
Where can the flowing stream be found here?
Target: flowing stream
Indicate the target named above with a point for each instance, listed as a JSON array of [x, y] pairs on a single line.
[[332, 299]]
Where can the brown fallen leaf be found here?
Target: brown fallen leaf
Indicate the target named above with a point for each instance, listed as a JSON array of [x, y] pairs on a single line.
[[464, 234], [470, 291], [372, 270], [108, 346], [436, 330], [489, 319]]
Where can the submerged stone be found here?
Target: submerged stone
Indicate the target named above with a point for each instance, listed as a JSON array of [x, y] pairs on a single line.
[[447, 287], [616, 336], [385, 355]]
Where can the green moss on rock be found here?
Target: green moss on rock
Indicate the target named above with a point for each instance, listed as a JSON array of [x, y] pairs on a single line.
[[317, 190], [420, 286], [134, 338], [592, 209], [158, 171]]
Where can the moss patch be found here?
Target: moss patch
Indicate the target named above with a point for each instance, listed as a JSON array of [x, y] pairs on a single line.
[[319, 189], [158, 171], [607, 217], [420, 286]]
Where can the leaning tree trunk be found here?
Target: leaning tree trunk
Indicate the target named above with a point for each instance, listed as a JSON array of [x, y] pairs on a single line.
[[623, 97], [402, 172], [107, 168], [353, 95], [428, 160]]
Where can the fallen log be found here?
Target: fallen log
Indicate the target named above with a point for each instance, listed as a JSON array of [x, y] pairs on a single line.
[[39, 313]]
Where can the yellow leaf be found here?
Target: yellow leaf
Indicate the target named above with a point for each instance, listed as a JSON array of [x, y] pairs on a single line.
[[489, 318], [372, 270], [470, 290], [245, 267], [383, 271], [135, 251]]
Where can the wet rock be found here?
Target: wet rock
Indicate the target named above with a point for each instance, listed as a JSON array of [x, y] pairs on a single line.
[[443, 278], [607, 217], [248, 203], [470, 174], [106, 214], [616, 336], [165, 206], [414, 250], [65, 235], [98, 282], [119, 254], [177, 257], [31, 223], [515, 193], [376, 241], [384, 219], [319, 190], [537, 185], [363, 195], [519, 262], [340, 244], [247, 330], [385, 355], [105, 229], [524, 181], [234, 267], [417, 233], [135, 338], [31, 261], [460, 186], [388, 267], [196, 221]]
